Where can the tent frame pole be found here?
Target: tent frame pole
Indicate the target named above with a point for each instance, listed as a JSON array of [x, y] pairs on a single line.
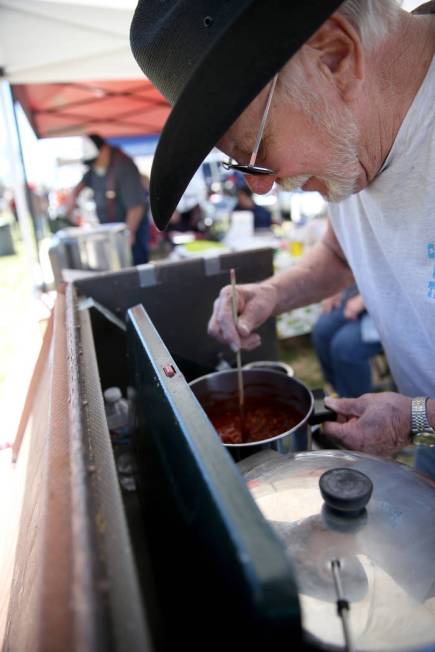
[[18, 178]]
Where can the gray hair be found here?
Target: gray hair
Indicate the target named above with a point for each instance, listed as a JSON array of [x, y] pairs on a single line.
[[373, 19]]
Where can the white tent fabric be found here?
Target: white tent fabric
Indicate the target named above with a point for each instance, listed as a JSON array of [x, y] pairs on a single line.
[[73, 40]]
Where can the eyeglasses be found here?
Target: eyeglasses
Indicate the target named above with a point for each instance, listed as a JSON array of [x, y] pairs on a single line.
[[251, 168]]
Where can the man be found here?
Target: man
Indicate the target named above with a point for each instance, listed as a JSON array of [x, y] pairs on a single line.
[[351, 115], [245, 202], [118, 191]]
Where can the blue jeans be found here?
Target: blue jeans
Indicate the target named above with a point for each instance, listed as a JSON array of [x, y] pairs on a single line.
[[140, 248], [343, 356]]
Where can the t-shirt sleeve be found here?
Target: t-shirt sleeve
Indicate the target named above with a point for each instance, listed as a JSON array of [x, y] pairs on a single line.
[[130, 187]]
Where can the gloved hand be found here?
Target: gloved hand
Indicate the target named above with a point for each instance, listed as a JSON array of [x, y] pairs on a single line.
[[379, 424], [255, 303]]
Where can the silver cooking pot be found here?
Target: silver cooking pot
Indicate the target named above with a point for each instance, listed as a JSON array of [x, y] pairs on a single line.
[[101, 248], [222, 387]]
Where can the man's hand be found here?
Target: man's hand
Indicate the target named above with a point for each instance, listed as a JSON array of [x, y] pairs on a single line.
[[331, 302], [354, 307], [379, 424], [255, 303], [131, 238]]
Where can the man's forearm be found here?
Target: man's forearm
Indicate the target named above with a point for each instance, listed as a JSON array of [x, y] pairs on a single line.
[[320, 273], [133, 218], [71, 202]]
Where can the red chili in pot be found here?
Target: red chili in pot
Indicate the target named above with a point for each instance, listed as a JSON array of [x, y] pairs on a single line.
[[264, 418]]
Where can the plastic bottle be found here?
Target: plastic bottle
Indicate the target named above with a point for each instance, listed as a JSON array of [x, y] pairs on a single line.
[[117, 414], [126, 471], [131, 400], [296, 241], [119, 422]]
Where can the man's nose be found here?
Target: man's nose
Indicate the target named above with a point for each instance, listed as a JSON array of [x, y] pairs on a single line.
[[260, 184]]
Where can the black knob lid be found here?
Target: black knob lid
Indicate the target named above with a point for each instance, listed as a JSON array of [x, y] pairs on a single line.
[[345, 490]]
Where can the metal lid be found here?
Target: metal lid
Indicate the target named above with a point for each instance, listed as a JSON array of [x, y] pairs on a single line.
[[74, 233], [345, 490], [386, 552]]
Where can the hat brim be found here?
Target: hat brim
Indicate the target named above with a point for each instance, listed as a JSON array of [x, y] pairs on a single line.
[[230, 75]]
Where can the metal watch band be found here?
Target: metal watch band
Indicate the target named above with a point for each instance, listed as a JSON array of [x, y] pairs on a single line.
[[419, 420]]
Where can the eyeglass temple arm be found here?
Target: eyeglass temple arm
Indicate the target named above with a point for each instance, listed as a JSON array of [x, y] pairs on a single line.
[[263, 122]]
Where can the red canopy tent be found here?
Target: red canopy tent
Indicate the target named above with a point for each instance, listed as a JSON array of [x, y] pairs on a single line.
[[50, 51], [110, 108]]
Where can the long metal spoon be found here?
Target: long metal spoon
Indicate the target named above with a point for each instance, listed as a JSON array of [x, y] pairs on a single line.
[[238, 357]]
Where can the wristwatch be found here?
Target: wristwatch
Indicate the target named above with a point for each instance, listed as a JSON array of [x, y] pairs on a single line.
[[422, 431]]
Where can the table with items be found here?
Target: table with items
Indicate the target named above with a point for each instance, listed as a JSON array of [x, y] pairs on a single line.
[[288, 240]]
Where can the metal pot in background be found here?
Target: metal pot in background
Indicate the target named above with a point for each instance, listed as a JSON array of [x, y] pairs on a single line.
[[98, 249], [221, 387]]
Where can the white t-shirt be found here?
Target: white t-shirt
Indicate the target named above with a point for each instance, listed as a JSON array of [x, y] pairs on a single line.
[[387, 232]]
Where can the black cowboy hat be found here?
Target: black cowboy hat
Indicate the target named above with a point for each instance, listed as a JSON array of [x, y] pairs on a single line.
[[210, 59]]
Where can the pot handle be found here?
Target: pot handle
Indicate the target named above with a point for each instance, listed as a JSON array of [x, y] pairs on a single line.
[[320, 411]]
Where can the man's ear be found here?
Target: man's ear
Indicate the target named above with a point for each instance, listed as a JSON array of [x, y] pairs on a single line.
[[340, 54]]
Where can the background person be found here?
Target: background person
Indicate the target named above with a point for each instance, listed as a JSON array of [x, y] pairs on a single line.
[[343, 345], [245, 202], [189, 219], [118, 192]]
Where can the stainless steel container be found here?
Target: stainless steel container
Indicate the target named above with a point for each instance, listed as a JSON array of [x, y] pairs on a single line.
[[97, 249]]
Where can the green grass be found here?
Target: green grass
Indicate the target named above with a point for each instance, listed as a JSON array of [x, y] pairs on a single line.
[[299, 354]]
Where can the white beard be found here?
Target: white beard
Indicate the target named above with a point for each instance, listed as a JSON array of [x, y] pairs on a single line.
[[341, 179], [292, 183], [343, 170]]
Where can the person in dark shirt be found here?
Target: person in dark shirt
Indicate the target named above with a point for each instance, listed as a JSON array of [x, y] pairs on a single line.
[[118, 191], [245, 202]]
